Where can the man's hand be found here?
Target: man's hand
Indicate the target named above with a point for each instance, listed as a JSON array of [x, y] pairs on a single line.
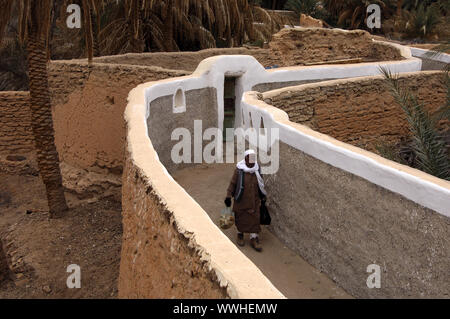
[[227, 201]]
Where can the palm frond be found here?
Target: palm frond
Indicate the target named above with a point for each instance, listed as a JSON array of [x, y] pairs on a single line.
[[428, 145]]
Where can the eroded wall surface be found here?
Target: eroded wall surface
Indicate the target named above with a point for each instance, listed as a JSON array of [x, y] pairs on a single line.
[[341, 223], [187, 60], [361, 112], [302, 46], [16, 135], [289, 47], [88, 105], [157, 260]]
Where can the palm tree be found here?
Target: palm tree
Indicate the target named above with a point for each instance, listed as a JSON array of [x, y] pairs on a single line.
[[34, 24], [172, 25]]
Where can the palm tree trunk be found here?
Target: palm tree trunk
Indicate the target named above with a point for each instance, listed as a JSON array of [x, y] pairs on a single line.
[[55, 12], [95, 31], [42, 124], [88, 30], [136, 26]]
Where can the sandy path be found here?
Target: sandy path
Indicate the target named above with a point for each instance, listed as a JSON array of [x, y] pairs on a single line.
[[290, 273]]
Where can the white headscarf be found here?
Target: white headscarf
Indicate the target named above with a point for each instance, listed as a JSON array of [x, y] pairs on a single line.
[[252, 170]]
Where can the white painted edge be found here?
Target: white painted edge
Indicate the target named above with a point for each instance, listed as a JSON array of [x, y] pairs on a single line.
[[244, 280], [241, 277], [430, 192], [423, 53]]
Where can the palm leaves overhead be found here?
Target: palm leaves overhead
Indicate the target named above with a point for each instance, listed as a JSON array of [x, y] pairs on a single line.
[[172, 25], [119, 26]]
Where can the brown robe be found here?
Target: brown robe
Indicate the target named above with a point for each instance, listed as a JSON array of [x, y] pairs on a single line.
[[246, 210]]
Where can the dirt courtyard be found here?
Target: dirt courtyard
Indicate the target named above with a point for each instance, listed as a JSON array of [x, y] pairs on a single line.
[[39, 250]]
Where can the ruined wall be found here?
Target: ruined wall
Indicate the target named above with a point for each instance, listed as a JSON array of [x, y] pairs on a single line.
[[361, 112], [302, 46], [186, 60], [341, 223], [157, 261], [201, 105], [16, 135], [88, 105]]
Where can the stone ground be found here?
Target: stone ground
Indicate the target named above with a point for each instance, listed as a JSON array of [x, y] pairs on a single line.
[[289, 272], [38, 250]]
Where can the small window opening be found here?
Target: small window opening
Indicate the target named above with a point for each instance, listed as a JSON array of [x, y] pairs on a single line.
[[262, 129], [179, 101]]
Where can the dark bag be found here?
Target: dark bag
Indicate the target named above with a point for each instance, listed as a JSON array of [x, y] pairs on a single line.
[[264, 216], [239, 186]]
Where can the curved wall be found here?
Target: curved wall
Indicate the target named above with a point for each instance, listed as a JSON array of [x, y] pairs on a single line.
[[343, 209], [154, 203], [171, 248]]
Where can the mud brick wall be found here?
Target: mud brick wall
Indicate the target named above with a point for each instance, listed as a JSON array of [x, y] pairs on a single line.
[[88, 105], [361, 112], [157, 260], [289, 47], [186, 60], [308, 45], [16, 135]]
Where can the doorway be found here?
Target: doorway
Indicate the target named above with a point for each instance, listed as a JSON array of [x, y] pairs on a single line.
[[229, 104]]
